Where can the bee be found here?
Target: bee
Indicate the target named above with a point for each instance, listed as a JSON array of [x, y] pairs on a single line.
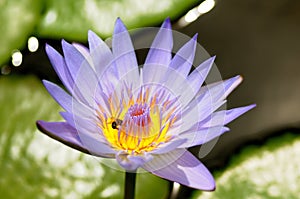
[[115, 124]]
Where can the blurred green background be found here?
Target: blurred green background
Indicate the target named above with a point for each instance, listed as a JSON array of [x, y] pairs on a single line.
[[258, 39], [71, 19]]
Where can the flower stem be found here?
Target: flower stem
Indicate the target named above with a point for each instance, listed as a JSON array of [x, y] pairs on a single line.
[[130, 178]]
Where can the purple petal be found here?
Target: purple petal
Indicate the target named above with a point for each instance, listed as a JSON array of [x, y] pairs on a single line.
[[224, 117], [73, 58], [69, 118], [85, 84], [176, 74], [191, 86], [159, 55], [182, 167], [88, 126], [102, 58], [69, 136], [85, 79], [220, 90], [95, 145], [196, 112], [60, 96], [77, 64], [169, 146], [160, 51], [183, 60], [124, 54], [60, 67], [67, 102], [85, 52], [209, 99], [132, 162], [201, 136], [62, 132], [81, 109], [85, 121], [197, 77]]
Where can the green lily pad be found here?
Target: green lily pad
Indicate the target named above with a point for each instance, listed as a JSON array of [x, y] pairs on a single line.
[[270, 171], [34, 166], [18, 19], [71, 19]]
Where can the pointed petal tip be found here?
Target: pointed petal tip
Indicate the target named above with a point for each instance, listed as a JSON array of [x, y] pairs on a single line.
[[44, 81], [248, 108], [236, 80], [208, 63], [225, 129], [210, 185], [212, 59], [195, 37], [119, 26], [47, 46], [245, 109], [50, 50], [91, 33], [92, 36], [167, 23], [47, 83], [212, 188], [251, 106], [39, 124], [63, 42], [119, 22], [65, 45], [239, 77]]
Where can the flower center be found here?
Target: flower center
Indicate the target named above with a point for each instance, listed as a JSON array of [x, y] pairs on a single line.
[[139, 131], [137, 125], [138, 115]]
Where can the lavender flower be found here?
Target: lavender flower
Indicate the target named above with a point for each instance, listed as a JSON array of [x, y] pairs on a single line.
[[143, 117]]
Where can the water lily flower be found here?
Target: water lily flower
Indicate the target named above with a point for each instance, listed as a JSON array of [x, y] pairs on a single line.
[[144, 117]]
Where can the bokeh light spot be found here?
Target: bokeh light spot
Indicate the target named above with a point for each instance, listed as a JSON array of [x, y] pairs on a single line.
[[17, 58], [206, 6], [33, 44]]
